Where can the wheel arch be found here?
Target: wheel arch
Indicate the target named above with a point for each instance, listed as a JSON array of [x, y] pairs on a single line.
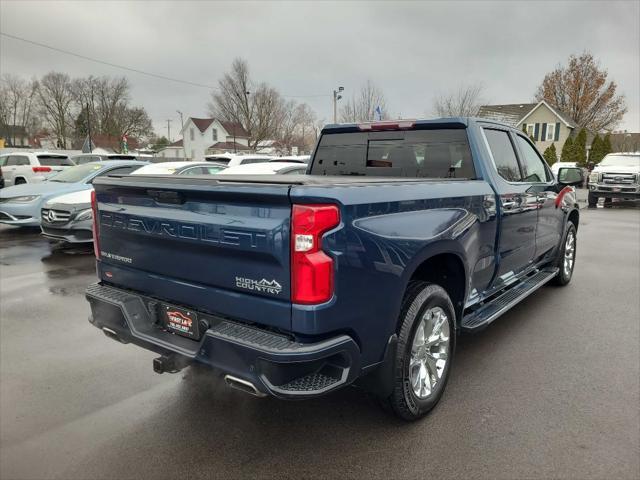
[[444, 265], [574, 217]]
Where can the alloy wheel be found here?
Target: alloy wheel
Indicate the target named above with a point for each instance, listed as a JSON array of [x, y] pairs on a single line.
[[429, 352], [569, 254]]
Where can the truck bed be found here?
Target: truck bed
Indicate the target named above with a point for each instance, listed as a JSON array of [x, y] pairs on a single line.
[[328, 180]]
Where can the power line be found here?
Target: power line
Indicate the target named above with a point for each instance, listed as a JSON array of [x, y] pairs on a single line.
[[84, 57], [130, 69]]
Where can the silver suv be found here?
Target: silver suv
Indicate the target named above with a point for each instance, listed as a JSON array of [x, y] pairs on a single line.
[[31, 167], [617, 175]]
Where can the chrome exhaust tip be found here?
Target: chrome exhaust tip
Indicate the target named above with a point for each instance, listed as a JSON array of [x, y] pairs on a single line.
[[112, 334], [244, 385]]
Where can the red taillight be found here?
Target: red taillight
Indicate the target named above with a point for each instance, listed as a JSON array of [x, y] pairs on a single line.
[[41, 169], [311, 268], [94, 208]]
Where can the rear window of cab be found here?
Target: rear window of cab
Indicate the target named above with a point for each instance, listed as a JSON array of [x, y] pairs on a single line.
[[440, 153]]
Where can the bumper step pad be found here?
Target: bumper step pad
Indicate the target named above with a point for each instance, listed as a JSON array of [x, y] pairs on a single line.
[[309, 383]]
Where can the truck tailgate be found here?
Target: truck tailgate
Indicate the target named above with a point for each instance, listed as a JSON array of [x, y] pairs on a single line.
[[218, 247]]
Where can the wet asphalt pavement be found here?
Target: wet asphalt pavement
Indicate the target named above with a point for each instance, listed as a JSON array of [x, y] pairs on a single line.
[[549, 390]]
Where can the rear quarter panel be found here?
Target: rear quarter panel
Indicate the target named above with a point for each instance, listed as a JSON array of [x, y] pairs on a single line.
[[386, 232]]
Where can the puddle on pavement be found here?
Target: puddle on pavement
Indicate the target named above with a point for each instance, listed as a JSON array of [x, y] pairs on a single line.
[[68, 291]]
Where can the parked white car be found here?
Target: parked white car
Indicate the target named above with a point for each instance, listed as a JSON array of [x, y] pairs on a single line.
[[267, 168], [292, 158], [31, 167], [233, 159], [180, 168], [101, 157]]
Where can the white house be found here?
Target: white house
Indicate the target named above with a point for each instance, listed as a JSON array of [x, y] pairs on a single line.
[[173, 150], [205, 136]]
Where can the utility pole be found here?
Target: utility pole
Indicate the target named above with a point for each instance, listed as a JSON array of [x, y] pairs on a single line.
[[89, 128], [89, 120], [169, 130], [181, 119], [336, 97]]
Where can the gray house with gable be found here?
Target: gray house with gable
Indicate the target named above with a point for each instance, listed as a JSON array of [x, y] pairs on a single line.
[[542, 122]]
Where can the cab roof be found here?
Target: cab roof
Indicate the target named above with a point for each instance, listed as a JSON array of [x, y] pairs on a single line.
[[408, 124]]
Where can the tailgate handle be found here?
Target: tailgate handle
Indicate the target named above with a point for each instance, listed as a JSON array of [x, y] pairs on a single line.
[[166, 196]]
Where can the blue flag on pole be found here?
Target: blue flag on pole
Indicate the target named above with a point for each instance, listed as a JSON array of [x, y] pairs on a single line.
[[379, 112]]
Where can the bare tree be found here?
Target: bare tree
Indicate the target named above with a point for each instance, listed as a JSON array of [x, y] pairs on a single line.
[[106, 101], [307, 131], [106, 98], [296, 126], [56, 97], [133, 121], [580, 90], [288, 122], [257, 107], [368, 105], [16, 103], [63, 104], [463, 102]]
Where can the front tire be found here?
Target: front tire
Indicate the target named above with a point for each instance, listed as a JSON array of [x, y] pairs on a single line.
[[592, 200], [426, 343], [566, 256]]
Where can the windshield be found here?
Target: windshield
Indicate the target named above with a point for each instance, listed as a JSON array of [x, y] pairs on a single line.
[[77, 173], [621, 161]]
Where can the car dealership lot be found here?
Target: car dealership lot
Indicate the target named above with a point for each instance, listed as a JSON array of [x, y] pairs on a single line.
[[549, 390]]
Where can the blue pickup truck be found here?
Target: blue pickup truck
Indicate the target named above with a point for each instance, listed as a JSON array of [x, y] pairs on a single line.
[[401, 236]]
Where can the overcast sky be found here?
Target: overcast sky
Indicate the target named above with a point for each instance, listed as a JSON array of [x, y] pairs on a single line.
[[413, 51]]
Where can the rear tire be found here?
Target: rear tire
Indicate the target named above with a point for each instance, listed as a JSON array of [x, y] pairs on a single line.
[[566, 260], [19, 181], [426, 344]]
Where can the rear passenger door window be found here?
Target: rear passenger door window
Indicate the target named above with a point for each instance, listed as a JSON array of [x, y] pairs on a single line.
[[17, 160], [21, 160], [503, 154], [534, 167]]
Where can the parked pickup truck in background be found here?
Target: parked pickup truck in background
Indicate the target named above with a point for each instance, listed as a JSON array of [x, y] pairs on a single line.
[[402, 235], [616, 176]]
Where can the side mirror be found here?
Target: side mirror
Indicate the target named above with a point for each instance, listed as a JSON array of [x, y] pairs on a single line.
[[570, 176]]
